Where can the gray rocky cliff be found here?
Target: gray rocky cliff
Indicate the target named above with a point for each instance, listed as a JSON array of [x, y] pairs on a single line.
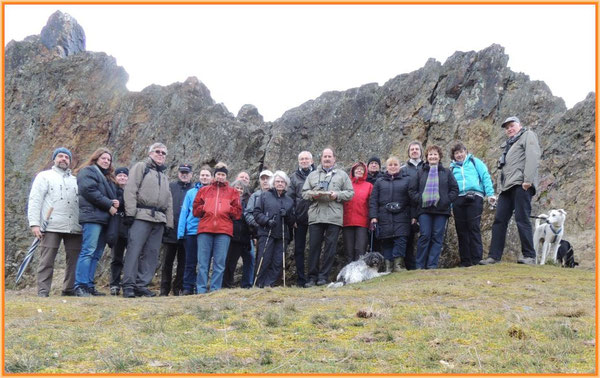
[[57, 93]]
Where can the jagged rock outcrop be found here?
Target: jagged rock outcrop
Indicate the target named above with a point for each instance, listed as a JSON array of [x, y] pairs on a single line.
[[79, 99]]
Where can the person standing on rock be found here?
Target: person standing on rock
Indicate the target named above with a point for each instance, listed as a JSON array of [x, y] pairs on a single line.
[[55, 189], [118, 250], [175, 247], [305, 166], [148, 209], [217, 205], [327, 188], [97, 204], [474, 183], [187, 230], [518, 166], [414, 162]]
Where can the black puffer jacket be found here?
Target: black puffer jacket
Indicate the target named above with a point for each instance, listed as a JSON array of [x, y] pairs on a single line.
[[448, 190], [96, 193], [241, 231], [388, 189], [372, 178], [178, 190], [268, 205], [295, 192], [123, 228]]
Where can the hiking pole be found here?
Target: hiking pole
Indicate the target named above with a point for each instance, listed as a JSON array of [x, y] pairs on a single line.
[[283, 246], [261, 258]]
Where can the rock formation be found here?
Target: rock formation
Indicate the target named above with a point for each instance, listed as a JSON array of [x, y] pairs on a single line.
[[56, 93]]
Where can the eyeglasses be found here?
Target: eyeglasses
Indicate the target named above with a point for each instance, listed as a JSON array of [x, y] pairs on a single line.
[[160, 152]]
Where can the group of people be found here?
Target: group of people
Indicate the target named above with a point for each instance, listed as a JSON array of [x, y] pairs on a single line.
[[213, 222]]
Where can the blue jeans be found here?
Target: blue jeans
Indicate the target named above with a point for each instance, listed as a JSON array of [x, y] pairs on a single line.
[[248, 269], [191, 261], [394, 247], [92, 246], [211, 246], [429, 246]]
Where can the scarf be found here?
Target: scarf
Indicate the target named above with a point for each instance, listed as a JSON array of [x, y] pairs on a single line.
[[509, 143], [431, 194]]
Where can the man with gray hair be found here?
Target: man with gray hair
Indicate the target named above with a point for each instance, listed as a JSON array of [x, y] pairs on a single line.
[[518, 166], [326, 188], [148, 208], [305, 166]]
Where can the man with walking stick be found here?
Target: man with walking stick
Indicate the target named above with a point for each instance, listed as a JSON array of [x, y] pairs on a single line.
[[55, 188]]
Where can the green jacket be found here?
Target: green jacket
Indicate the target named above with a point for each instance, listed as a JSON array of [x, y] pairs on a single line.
[[324, 209], [522, 163], [143, 192]]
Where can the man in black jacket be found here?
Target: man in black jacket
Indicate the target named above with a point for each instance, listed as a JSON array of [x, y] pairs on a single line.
[[173, 247], [305, 166], [414, 162]]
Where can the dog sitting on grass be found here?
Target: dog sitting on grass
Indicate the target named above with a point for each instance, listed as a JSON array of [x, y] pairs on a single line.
[[363, 269]]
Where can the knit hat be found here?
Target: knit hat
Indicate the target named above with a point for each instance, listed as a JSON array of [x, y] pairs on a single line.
[[375, 159], [62, 150], [122, 170]]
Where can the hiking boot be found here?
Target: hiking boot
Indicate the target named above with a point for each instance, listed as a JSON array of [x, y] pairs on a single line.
[[81, 292], [95, 293], [488, 261], [43, 294], [310, 284], [321, 282], [389, 266], [128, 292], [67, 293], [398, 264], [143, 292], [526, 260], [187, 292], [163, 293], [114, 290]]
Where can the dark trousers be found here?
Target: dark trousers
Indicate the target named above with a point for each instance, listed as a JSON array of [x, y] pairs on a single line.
[[299, 247], [236, 250], [271, 255], [320, 232], [48, 251], [116, 262], [172, 251], [143, 248], [431, 238], [355, 242], [518, 201], [467, 219], [394, 247], [191, 262], [410, 262]]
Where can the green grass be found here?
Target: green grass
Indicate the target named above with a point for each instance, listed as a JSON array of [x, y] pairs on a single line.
[[505, 318]]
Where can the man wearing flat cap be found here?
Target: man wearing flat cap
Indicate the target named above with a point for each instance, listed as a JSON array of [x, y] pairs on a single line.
[[55, 189], [173, 246], [518, 180]]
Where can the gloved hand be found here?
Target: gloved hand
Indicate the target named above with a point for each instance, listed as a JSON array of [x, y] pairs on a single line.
[[168, 232], [128, 221], [271, 222], [282, 212]]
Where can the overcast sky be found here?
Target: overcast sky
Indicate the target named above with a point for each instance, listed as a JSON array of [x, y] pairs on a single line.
[[277, 57]]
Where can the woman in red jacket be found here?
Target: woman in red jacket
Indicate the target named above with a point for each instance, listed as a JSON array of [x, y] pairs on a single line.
[[356, 214], [217, 205]]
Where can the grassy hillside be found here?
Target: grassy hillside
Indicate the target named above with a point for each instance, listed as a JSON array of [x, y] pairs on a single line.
[[505, 318]]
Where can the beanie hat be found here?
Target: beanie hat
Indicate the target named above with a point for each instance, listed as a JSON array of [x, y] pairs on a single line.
[[62, 150], [122, 170], [375, 159]]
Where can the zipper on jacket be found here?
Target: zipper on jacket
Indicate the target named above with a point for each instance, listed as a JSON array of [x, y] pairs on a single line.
[[216, 209]]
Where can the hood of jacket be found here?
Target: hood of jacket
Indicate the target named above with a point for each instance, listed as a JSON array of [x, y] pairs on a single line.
[[358, 179]]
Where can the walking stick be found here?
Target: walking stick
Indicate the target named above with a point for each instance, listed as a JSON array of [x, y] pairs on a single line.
[[261, 258], [283, 246]]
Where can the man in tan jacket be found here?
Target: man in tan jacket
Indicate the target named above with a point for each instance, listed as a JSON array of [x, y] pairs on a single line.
[[148, 208], [518, 180]]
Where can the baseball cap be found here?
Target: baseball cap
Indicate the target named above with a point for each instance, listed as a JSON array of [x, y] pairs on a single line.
[[509, 120], [185, 168]]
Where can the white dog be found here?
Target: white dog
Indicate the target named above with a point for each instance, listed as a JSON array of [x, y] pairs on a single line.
[[548, 234], [363, 269]]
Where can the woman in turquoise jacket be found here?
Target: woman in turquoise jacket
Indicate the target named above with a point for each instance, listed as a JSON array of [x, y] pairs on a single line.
[[474, 183]]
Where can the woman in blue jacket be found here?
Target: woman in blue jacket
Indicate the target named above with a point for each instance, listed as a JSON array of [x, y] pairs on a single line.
[[474, 183], [97, 204]]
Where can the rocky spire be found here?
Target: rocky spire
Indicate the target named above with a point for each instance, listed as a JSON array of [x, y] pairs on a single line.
[[63, 34]]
